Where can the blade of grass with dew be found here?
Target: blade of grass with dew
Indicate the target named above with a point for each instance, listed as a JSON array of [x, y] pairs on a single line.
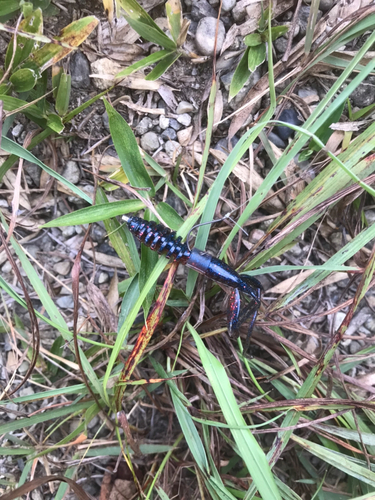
[[96, 213], [312, 124], [338, 460], [250, 451], [12, 147], [159, 268]]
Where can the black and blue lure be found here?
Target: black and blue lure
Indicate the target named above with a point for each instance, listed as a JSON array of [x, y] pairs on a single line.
[[164, 242]]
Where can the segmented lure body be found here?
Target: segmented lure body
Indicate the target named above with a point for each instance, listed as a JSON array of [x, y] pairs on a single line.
[[164, 241]]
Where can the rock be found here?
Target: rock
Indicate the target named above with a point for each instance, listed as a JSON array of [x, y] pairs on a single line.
[[222, 145], [174, 124], [105, 120], [339, 318], [370, 216], [276, 140], [184, 107], [26, 391], [17, 130], [33, 171], [7, 267], [12, 407], [228, 5], [68, 231], [65, 302], [71, 172], [303, 18], [354, 347], [304, 92], [103, 278], [296, 250], [172, 148], [202, 9], [289, 115], [144, 125], [256, 235], [80, 71], [326, 5], [363, 95], [33, 250], [184, 119], [281, 44], [336, 240], [184, 136], [24, 366], [169, 134], [62, 267], [98, 233], [163, 122], [150, 142], [205, 36]]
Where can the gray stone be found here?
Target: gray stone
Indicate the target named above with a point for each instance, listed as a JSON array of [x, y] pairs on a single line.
[[172, 148], [33, 171], [169, 134], [228, 5], [296, 250], [303, 18], [336, 240], [150, 142], [163, 122], [80, 71], [68, 231], [370, 216], [144, 125], [363, 95], [26, 391], [17, 130], [174, 124], [12, 407], [307, 92], [7, 268], [71, 172], [222, 145], [205, 36], [24, 366], [98, 233], [202, 9], [281, 44], [62, 267], [105, 120], [338, 319], [65, 302], [326, 5], [103, 278], [33, 250], [354, 347], [276, 140], [184, 119], [184, 107]]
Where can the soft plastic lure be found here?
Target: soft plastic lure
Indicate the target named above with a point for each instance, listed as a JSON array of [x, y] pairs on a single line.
[[164, 241]]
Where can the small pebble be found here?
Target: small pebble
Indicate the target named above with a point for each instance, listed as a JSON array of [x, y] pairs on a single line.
[[184, 119], [276, 140], [26, 391], [184, 107], [205, 36], [228, 5], [17, 130], [363, 95], [12, 407], [71, 172], [163, 122], [62, 268], [169, 134], [150, 142], [24, 366], [202, 9], [339, 318], [144, 125], [65, 302], [256, 235], [174, 124], [7, 268], [307, 92], [103, 278], [68, 231], [370, 216], [172, 148], [80, 71]]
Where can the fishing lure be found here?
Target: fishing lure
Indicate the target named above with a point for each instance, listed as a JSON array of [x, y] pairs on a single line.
[[164, 242]]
